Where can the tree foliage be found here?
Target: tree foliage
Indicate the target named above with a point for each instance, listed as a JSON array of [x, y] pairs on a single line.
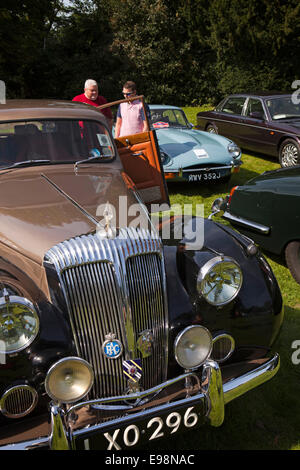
[[177, 51]]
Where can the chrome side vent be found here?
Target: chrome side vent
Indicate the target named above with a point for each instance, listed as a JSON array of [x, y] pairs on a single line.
[[116, 286]]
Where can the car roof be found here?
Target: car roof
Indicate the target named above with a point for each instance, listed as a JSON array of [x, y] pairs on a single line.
[[14, 110], [263, 94]]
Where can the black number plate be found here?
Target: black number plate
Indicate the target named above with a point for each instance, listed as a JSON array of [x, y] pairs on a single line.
[[156, 427], [211, 176]]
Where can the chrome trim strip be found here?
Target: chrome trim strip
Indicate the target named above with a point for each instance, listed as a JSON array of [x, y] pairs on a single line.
[[212, 118], [191, 170], [225, 167], [263, 229]]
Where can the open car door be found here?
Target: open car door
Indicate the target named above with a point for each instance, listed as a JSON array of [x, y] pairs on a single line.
[[140, 157]]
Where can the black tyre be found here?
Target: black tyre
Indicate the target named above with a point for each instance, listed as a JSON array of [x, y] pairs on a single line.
[[289, 153], [292, 257], [211, 129]]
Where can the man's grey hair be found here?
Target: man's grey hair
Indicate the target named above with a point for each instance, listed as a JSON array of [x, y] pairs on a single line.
[[89, 82]]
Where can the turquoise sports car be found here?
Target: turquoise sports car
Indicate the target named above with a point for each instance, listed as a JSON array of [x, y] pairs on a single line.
[[191, 155]]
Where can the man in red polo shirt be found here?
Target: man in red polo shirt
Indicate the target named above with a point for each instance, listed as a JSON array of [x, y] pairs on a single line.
[[92, 97]]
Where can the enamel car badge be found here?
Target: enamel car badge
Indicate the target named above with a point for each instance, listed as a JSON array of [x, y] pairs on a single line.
[[133, 369], [112, 347]]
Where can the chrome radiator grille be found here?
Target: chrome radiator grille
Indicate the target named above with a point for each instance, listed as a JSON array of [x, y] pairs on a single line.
[[115, 286]]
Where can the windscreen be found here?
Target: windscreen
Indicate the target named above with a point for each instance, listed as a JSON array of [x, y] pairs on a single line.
[[163, 118], [283, 108], [56, 141]]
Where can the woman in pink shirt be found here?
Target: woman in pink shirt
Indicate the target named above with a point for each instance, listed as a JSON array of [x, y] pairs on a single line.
[[130, 116]]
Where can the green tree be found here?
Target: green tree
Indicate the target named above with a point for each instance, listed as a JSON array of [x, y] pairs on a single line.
[[25, 27]]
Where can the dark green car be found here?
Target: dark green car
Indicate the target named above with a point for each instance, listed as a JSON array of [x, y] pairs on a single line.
[[267, 210]]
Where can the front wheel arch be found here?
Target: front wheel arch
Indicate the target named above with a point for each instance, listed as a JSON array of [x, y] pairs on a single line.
[[292, 258]]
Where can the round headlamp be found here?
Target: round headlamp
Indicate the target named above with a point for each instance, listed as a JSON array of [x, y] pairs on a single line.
[[19, 323], [69, 380], [234, 150], [165, 158], [193, 346], [220, 280]]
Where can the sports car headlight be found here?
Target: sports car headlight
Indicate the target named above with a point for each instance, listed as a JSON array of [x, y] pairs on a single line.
[[165, 159], [220, 280], [192, 346], [19, 323], [234, 150]]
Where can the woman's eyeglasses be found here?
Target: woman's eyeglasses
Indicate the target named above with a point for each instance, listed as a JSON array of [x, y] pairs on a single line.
[[127, 94]]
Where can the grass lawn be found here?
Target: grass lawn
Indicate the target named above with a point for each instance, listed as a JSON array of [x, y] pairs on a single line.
[[267, 418]]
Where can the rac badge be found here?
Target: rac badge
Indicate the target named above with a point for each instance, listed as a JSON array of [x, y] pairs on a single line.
[[112, 347]]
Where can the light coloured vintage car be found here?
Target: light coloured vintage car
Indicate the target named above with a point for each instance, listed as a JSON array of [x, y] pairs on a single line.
[[190, 155], [109, 327]]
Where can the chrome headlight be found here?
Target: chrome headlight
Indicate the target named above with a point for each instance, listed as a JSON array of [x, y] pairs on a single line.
[[234, 150], [192, 346], [19, 323], [220, 280], [69, 380]]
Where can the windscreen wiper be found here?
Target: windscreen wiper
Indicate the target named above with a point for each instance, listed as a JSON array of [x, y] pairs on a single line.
[[25, 163], [87, 160]]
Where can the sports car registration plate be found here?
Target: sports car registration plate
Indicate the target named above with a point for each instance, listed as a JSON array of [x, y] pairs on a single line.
[[193, 177], [139, 431]]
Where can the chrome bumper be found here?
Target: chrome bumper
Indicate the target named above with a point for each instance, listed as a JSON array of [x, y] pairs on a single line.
[[246, 223], [213, 395]]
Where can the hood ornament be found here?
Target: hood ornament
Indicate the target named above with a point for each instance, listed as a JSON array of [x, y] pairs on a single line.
[[105, 229]]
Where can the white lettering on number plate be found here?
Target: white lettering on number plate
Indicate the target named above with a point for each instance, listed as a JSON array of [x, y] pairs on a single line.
[[156, 428], [204, 176]]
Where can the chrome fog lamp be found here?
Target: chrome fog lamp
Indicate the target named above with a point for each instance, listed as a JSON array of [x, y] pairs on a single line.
[[234, 150], [19, 323], [220, 280], [69, 380], [192, 346]]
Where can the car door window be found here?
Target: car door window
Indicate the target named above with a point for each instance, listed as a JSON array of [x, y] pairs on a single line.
[[255, 106], [234, 105]]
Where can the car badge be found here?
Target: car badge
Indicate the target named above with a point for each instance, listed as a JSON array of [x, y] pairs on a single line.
[[133, 369], [112, 347], [145, 342]]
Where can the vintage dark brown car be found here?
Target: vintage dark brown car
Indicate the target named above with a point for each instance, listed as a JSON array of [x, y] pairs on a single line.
[[111, 330], [268, 123]]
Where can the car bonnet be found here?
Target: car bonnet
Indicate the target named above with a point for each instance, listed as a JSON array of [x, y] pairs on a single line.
[[42, 206], [191, 147]]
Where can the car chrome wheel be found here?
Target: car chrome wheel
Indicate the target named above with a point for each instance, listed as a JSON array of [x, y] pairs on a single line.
[[212, 130], [289, 154]]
